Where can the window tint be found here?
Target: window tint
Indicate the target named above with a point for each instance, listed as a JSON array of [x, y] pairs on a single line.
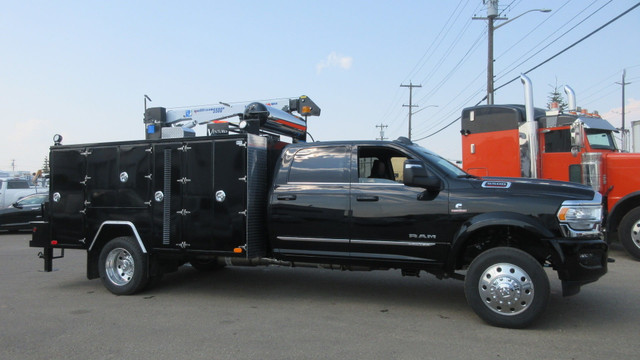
[[31, 200], [323, 164], [17, 184], [557, 141]]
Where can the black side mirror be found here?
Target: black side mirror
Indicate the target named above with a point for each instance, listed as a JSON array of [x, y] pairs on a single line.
[[17, 205], [414, 174]]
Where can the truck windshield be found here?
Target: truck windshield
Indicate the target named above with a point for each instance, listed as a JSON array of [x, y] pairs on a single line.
[[601, 139], [444, 164]]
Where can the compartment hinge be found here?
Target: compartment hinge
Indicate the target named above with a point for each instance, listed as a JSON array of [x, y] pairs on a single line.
[[184, 180], [241, 143], [86, 178], [184, 148], [183, 245], [183, 212]]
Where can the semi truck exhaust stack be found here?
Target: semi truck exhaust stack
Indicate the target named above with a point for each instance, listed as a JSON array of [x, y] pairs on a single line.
[[571, 98], [529, 129]]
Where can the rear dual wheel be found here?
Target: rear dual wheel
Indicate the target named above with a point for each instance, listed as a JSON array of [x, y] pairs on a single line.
[[507, 287]]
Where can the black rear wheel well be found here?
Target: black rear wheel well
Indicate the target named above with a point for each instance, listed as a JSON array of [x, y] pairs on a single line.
[[107, 233]]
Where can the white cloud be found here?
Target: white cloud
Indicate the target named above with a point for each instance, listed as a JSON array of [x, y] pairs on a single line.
[[632, 113], [335, 60]]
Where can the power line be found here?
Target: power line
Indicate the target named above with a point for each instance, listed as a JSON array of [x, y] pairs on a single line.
[[571, 46], [511, 67], [519, 42], [546, 61]]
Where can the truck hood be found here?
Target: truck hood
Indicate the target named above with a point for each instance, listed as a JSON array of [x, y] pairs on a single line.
[[539, 187]]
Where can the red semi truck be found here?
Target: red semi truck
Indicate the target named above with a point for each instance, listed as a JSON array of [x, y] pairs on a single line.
[[524, 141]]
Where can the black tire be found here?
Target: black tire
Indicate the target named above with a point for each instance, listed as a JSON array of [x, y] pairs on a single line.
[[629, 232], [123, 267], [523, 284], [206, 265]]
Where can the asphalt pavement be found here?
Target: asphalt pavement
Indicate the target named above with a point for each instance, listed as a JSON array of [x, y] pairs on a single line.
[[296, 313]]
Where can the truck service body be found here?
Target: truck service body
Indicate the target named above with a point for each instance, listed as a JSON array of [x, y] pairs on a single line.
[[143, 208], [523, 141]]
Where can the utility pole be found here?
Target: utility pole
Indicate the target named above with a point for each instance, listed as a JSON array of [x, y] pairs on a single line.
[[492, 15], [410, 106], [622, 132], [624, 74], [381, 126]]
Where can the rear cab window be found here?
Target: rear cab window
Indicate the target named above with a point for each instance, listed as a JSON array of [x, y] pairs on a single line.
[[328, 164]]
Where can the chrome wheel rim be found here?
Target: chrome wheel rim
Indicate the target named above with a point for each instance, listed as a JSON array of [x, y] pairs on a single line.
[[635, 234], [119, 266], [506, 289]]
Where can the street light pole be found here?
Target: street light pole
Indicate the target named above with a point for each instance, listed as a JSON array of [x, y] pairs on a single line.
[[410, 86], [410, 114], [145, 102], [492, 15]]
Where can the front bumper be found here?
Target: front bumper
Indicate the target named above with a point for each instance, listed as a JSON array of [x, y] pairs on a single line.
[[579, 262]]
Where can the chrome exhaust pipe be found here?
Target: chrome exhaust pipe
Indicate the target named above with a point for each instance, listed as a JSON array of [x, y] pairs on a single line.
[[529, 167], [571, 98]]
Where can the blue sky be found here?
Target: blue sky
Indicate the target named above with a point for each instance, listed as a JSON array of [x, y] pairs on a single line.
[[81, 68]]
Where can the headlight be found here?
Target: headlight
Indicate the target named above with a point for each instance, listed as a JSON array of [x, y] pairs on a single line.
[[581, 218]]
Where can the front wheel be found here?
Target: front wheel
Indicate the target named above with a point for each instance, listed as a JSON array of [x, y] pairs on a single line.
[[629, 232], [123, 267], [507, 287]]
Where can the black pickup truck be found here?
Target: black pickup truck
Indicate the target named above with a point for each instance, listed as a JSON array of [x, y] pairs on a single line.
[[143, 208]]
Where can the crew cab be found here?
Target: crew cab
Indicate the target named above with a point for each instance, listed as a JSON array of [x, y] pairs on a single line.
[[143, 208]]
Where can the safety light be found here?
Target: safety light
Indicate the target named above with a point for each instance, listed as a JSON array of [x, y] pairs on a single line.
[[305, 110], [238, 250]]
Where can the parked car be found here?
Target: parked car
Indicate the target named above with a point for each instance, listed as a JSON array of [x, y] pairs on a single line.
[[18, 215]]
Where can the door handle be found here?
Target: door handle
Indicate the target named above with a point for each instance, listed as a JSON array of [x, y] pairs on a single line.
[[367, 198], [286, 197]]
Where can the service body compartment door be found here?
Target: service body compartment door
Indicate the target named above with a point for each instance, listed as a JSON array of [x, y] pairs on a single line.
[[119, 187], [210, 222], [67, 196], [203, 190]]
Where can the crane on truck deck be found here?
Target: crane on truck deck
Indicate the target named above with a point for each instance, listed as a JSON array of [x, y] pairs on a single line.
[[253, 117], [576, 146]]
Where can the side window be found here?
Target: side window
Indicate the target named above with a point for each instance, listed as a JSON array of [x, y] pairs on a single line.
[[557, 141], [17, 184], [322, 164], [380, 165]]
